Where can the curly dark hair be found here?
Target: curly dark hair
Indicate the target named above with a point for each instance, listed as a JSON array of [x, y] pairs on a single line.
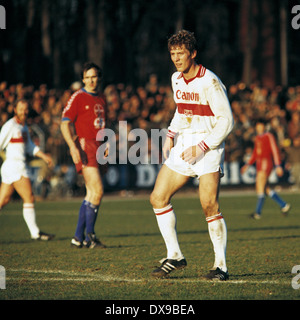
[[183, 37]]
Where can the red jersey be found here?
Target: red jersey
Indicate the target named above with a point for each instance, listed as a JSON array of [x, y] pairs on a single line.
[[265, 153], [87, 111]]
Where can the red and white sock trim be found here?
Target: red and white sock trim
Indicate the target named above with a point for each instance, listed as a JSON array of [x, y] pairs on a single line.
[[214, 218], [164, 210], [171, 134], [28, 205], [203, 146]]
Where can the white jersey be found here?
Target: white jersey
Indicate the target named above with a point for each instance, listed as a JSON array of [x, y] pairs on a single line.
[[15, 138], [202, 107]]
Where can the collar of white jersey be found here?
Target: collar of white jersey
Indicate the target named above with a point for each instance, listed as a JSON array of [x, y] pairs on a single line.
[[200, 74], [18, 121]]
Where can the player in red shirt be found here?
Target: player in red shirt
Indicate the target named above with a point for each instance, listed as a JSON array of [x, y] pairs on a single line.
[[265, 155], [86, 109]]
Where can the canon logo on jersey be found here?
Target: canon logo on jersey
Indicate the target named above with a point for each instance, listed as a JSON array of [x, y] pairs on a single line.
[[188, 96]]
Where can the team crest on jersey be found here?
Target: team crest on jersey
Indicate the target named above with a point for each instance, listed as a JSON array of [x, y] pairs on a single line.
[[99, 110], [99, 113], [188, 113]]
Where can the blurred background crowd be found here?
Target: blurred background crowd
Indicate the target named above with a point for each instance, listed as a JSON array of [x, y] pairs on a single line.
[[250, 44], [152, 107]]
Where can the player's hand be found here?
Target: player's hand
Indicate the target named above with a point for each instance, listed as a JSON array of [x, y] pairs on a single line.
[[244, 168], [106, 152], [168, 145], [192, 154], [279, 171], [48, 160], [75, 154]]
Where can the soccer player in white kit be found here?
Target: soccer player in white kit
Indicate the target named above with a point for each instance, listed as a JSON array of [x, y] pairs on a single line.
[[202, 121], [15, 139]]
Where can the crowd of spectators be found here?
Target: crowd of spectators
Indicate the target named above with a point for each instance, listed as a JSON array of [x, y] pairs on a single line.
[[152, 107], [280, 108]]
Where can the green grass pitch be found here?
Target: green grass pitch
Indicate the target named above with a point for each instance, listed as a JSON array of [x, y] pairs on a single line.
[[260, 254]]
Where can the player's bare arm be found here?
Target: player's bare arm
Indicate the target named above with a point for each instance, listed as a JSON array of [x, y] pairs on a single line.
[[66, 132], [45, 157]]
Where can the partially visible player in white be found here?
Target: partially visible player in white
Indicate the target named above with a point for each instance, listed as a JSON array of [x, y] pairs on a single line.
[[15, 140], [202, 121]]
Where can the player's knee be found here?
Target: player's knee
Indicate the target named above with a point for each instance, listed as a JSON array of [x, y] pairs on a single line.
[[99, 196], [95, 195], [210, 207], [157, 201], [4, 201]]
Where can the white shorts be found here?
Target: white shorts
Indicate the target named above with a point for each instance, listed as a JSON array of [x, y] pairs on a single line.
[[212, 161], [12, 171]]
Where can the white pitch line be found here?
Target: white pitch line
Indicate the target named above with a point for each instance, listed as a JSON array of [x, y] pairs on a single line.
[[148, 280], [82, 277]]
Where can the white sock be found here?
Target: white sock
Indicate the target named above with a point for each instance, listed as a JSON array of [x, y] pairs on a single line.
[[29, 217], [218, 234], [166, 220]]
